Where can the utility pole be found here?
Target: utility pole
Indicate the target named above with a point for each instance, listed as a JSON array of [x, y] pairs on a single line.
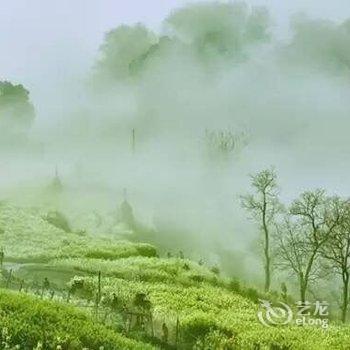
[[133, 141]]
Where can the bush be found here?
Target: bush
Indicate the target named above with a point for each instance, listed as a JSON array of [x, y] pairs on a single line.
[[252, 294], [202, 329], [28, 320], [215, 270], [235, 286], [121, 250], [147, 250], [197, 328], [58, 220]]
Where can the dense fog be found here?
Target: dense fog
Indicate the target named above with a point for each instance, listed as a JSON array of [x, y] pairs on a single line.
[[175, 117]]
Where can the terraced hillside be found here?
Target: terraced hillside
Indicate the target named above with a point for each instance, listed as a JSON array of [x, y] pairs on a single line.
[[73, 291]]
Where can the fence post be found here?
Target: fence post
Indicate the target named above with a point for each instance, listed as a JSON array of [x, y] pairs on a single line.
[[177, 331], [21, 285], [99, 287], [98, 296], [152, 325], [9, 279]]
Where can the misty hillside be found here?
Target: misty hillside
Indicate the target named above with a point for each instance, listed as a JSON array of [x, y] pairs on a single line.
[[30, 235], [181, 293], [174, 175]]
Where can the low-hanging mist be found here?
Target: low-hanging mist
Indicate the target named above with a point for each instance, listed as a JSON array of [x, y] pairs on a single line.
[[153, 111]]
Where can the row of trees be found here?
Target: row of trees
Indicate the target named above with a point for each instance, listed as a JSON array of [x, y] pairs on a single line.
[[308, 238]]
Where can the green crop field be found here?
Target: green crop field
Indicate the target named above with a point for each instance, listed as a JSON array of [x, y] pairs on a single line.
[[199, 307]]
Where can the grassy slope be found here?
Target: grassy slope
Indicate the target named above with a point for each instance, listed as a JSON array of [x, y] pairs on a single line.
[[26, 236], [152, 269], [176, 288], [203, 306], [28, 320]]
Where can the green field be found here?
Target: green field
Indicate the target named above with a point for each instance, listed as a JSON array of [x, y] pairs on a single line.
[[137, 293]]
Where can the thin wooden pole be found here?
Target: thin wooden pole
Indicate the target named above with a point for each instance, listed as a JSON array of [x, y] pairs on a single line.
[[98, 297], [177, 331], [99, 287], [133, 141], [9, 279]]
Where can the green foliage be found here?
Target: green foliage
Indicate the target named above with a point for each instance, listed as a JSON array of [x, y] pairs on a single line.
[[119, 250], [234, 285], [122, 46], [16, 111], [28, 321], [321, 44], [58, 220], [28, 236], [197, 328], [209, 32], [215, 270], [252, 294], [224, 29], [212, 313], [202, 332], [172, 271], [206, 310]]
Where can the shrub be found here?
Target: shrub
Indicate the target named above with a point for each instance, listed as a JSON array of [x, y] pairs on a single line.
[[235, 286], [28, 321], [58, 220], [197, 328], [252, 294]]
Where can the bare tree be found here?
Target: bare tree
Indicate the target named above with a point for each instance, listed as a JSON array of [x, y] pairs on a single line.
[[337, 252], [312, 220], [225, 142], [263, 206]]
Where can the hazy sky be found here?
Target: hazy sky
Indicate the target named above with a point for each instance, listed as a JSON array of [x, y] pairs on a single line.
[[48, 44]]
